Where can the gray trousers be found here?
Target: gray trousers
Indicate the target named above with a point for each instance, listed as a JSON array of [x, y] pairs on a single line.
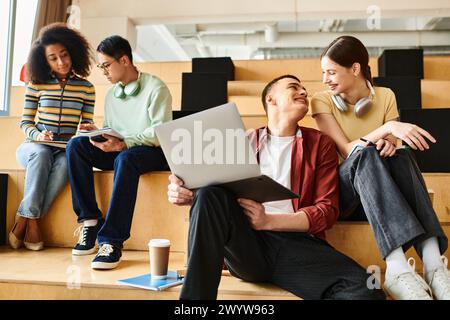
[[392, 194], [298, 262]]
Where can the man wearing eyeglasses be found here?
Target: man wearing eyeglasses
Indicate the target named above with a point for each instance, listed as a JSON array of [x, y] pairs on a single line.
[[133, 107]]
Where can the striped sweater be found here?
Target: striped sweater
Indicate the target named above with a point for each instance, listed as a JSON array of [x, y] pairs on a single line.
[[59, 110]]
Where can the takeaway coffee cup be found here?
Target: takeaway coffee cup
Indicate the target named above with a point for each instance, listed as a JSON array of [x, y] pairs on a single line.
[[159, 257]]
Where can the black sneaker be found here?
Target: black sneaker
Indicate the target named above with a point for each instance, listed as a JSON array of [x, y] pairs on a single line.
[[108, 257], [86, 239]]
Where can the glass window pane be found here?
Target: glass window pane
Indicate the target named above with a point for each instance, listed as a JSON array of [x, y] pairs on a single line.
[[25, 16], [4, 22]]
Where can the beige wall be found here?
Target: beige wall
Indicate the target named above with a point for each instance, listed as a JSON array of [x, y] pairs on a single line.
[[162, 11]]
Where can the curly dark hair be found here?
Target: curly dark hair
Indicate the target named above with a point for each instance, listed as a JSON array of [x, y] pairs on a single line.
[[58, 33]]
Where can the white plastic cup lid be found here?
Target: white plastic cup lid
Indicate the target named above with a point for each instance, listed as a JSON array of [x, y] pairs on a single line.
[[159, 243]]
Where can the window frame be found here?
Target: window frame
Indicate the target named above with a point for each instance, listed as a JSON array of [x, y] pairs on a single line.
[[6, 90]]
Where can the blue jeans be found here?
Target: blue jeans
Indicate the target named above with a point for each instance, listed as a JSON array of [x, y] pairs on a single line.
[[128, 165], [46, 175], [392, 194]]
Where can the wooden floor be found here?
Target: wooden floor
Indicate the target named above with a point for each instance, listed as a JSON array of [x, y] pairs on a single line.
[[55, 274]]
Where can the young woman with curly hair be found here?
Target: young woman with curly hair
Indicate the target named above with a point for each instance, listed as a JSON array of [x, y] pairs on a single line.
[[58, 99]]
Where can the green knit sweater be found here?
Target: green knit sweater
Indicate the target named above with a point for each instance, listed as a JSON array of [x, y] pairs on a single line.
[[135, 117]]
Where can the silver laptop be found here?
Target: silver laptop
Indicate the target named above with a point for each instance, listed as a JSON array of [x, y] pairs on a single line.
[[211, 148]]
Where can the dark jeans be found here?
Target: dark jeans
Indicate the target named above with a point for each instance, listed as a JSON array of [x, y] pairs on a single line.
[[392, 194], [128, 165], [298, 262]]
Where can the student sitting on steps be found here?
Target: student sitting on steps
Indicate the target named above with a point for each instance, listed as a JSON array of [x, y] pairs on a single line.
[[376, 179], [280, 242], [58, 98], [133, 107]]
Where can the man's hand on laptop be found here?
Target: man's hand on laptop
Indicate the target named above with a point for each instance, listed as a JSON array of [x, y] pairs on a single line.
[[178, 194], [112, 144], [256, 214]]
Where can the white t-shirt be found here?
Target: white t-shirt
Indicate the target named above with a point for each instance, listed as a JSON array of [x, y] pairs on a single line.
[[275, 162]]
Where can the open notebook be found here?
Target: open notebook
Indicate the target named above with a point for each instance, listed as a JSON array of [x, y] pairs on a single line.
[[57, 144]]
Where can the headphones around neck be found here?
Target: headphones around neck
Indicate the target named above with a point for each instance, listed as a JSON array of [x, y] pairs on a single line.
[[131, 89], [362, 106]]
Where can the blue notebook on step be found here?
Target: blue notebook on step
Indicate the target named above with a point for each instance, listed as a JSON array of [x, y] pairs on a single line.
[[146, 282]]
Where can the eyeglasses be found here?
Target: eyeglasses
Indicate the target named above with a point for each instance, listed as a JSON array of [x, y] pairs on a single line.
[[105, 65]]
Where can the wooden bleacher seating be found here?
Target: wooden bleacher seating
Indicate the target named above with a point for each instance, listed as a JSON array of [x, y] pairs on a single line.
[[53, 269]]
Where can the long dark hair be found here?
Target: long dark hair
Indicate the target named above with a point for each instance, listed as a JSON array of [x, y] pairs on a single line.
[[346, 50], [58, 33]]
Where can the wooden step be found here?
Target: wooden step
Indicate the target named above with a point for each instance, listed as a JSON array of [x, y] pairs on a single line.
[[56, 274], [307, 69], [436, 67], [440, 184], [9, 127], [154, 216], [356, 240], [433, 94], [255, 88]]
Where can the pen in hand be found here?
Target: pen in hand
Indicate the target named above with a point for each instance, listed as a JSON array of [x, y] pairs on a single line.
[[369, 143], [47, 133]]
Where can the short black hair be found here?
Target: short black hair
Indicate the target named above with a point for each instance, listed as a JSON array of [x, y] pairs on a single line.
[[116, 47], [269, 86], [76, 44]]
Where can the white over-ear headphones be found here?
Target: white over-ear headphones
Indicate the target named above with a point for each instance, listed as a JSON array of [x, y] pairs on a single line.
[[131, 89], [361, 107]]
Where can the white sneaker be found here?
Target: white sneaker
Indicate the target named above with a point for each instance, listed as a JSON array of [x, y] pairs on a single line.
[[408, 285], [439, 280]]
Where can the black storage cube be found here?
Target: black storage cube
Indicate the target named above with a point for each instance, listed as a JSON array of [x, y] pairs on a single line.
[[407, 90], [200, 91], [401, 62], [435, 121], [214, 65], [3, 199]]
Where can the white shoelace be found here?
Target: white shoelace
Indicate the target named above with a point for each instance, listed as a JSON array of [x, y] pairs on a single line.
[[413, 282], [105, 250], [81, 232], [445, 262], [442, 276]]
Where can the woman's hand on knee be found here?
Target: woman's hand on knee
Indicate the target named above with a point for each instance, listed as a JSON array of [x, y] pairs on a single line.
[[386, 148], [177, 194]]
